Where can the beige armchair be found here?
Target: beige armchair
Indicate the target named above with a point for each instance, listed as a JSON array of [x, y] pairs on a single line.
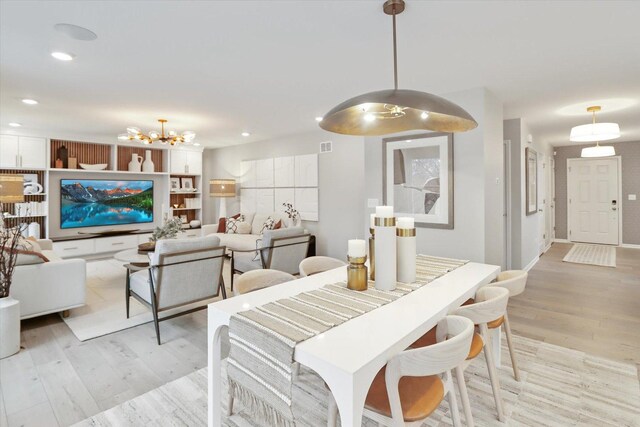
[[181, 272], [281, 250]]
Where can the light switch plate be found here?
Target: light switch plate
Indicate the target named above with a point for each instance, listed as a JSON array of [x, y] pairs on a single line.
[[372, 203], [632, 197]]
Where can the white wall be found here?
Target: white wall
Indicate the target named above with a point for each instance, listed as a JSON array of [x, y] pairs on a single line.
[[477, 196], [340, 189], [527, 230]]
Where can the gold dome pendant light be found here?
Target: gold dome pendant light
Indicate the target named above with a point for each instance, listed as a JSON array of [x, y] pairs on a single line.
[[396, 110]]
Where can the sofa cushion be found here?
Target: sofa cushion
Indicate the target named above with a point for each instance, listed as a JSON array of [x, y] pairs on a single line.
[[51, 255], [238, 242]]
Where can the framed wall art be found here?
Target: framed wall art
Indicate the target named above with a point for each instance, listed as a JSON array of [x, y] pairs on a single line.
[[418, 178]]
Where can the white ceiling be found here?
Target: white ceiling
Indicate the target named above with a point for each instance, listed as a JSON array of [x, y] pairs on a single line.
[[270, 67]]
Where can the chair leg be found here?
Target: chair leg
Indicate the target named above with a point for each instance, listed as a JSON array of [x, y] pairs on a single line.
[[222, 288], [493, 373], [453, 400], [464, 396], [127, 292], [156, 323], [332, 418], [512, 350], [229, 405]]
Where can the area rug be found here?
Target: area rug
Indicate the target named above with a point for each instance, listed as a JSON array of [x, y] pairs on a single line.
[[105, 309], [602, 255], [558, 387]]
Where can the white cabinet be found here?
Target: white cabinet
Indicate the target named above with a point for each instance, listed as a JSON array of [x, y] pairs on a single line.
[[184, 162], [23, 152], [74, 248]]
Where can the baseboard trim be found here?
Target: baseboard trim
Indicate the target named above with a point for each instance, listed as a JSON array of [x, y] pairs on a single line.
[[547, 247], [561, 241], [531, 264], [630, 245]]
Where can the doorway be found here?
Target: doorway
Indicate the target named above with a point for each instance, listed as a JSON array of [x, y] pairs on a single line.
[[593, 198]]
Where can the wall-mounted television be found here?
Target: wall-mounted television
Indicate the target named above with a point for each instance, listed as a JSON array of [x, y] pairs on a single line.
[[100, 202]]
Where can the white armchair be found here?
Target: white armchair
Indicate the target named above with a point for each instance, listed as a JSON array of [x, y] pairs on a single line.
[[49, 287]]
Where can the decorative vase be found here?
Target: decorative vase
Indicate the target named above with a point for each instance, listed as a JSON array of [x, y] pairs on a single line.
[[9, 327], [148, 165], [194, 223], [34, 230], [135, 165], [63, 154]]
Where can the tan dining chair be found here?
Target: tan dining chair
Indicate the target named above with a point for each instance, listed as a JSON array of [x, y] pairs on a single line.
[[489, 304], [515, 281], [318, 264], [413, 383], [259, 279]]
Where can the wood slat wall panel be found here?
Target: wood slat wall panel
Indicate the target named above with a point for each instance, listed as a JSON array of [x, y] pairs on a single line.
[[84, 151], [124, 157]]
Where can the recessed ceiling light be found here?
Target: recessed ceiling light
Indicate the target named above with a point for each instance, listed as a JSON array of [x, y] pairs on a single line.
[[318, 119], [15, 125], [196, 144], [76, 32], [63, 56], [29, 101], [245, 134]]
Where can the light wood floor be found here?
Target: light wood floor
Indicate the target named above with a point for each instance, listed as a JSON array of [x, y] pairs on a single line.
[[58, 380]]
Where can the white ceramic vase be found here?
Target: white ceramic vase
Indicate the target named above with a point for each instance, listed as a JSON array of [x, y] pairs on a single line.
[[135, 165], [9, 327], [148, 165]]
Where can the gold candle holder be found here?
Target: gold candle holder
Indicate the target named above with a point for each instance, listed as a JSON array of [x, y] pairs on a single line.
[[357, 279], [372, 254]]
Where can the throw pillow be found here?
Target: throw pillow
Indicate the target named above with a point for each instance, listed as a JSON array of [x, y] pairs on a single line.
[[222, 223], [278, 225], [28, 252], [269, 224], [243, 228], [232, 224]]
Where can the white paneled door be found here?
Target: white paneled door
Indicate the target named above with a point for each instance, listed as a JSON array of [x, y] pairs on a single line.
[[593, 197]]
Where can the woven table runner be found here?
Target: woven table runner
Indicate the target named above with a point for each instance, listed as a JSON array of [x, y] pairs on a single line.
[[263, 339]]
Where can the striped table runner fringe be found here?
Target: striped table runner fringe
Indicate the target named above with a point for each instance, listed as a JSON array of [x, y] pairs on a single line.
[[263, 339]]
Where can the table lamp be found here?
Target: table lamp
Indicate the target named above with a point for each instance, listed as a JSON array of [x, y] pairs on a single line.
[[222, 188], [11, 190]]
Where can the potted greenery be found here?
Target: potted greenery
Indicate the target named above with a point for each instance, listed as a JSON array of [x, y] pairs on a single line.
[[9, 307], [168, 230]]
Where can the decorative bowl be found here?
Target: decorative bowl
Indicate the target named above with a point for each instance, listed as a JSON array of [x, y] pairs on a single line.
[[194, 224], [98, 167]]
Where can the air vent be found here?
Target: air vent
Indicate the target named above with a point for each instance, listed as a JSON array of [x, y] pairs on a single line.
[[325, 147]]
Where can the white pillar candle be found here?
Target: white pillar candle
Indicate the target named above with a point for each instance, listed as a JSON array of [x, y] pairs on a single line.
[[384, 211], [357, 248], [372, 222], [406, 222]]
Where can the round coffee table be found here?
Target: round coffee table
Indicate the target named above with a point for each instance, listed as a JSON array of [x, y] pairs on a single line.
[[131, 256]]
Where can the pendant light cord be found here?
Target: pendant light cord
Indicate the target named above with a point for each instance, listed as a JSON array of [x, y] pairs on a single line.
[[395, 52]]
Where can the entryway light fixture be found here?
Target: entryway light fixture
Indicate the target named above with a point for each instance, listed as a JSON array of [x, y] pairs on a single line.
[[396, 110], [594, 132], [133, 133]]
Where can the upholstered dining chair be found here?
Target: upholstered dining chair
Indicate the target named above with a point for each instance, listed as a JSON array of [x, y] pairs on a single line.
[[259, 279], [413, 383], [180, 272], [318, 264], [281, 249], [515, 281], [489, 304]]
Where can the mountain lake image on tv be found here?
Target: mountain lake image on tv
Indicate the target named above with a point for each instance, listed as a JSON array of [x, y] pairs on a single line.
[[99, 202]]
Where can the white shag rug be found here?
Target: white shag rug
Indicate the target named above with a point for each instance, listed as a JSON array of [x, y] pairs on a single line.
[[602, 255], [105, 309]]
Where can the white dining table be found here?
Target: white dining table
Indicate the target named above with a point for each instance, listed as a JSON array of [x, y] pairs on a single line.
[[349, 356]]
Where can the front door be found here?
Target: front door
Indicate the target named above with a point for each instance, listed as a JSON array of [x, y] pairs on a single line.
[[593, 200]]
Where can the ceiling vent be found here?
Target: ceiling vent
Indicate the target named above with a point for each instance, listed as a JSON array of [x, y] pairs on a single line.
[[325, 147]]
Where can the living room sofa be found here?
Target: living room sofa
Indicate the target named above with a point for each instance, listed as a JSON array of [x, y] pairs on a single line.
[[245, 242], [49, 287]]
